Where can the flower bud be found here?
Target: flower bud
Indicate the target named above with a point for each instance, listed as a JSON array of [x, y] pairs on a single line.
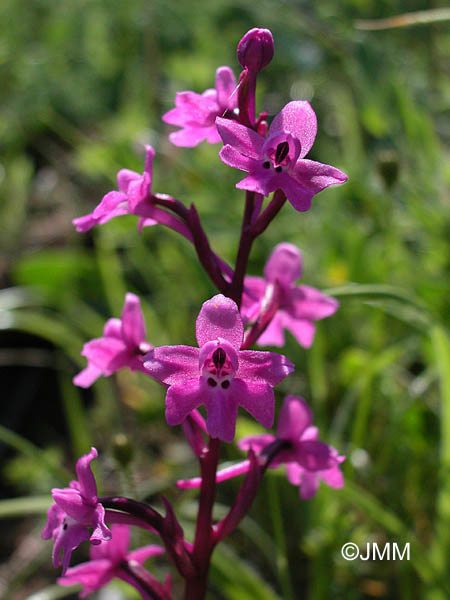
[[255, 50]]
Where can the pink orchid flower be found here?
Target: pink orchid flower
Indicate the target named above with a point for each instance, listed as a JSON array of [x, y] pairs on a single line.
[[76, 509], [218, 374], [131, 198], [109, 560], [123, 345], [300, 305], [278, 161], [196, 113], [307, 460]]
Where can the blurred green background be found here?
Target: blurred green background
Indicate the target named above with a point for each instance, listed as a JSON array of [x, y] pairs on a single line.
[[84, 85]]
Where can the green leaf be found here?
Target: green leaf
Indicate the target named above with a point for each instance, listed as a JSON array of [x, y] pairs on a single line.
[[54, 592], [18, 507], [236, 578], [13, 439]]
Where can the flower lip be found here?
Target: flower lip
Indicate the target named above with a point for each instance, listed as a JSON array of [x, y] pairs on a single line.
[[218, 363], [281, 151]]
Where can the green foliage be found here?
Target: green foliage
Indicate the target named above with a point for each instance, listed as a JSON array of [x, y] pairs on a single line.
[[84, 86]]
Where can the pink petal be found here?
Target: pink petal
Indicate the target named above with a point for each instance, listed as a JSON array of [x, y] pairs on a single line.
[[67, 540], [306, 302], [256, 442], [333, 477], [107, 354], [87, 376], [116, 548], [254, 291], [263, 367], [245, 140], [145, 223], [299, 119], [219, 318], [142, 554], [133, 325], [212, 135], [192, 109], [124, 178], [259, 181], [284, 264], [149, 156], [101, 533], [309, 485], [302, 329], [273, 334], [315, 177], [233, 158], [83, 224], [189, 136], [113, 328], [91, 575], [295, 416], [182, 398], [257, 398], [314, 455], [86, 479], [225, 86], [294, 473], [222, 475], [173, 364], [297, 194], [109, 203], [221, 408], [311, 433], [139, 190], [55, 518]]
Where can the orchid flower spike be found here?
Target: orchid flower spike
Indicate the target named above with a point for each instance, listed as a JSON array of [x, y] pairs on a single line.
[[218, 374], [76, 509], [123, 345], [109, 560], [299, 305], [278, 162], [132, 198], [196, 113]]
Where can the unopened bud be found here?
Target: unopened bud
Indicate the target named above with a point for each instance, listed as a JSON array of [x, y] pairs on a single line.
[[255, 50]]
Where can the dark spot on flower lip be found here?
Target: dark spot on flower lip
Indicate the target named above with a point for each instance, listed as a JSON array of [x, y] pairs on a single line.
[[281, 152], [219, 357], [212, 382], [278, 169], [266, 165], [65, 526], [225, 384]]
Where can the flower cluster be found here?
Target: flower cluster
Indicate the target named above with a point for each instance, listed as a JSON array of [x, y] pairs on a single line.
[[205, 385], [76, 509]]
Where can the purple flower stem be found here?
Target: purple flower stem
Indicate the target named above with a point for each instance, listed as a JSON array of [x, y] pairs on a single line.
[[243, 99], [248, 489], [143, 581], [168, 528], [245, 246], [114, 516], [269, 213], [203, 543], [264, 319], [212, 263], [205, 254]]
